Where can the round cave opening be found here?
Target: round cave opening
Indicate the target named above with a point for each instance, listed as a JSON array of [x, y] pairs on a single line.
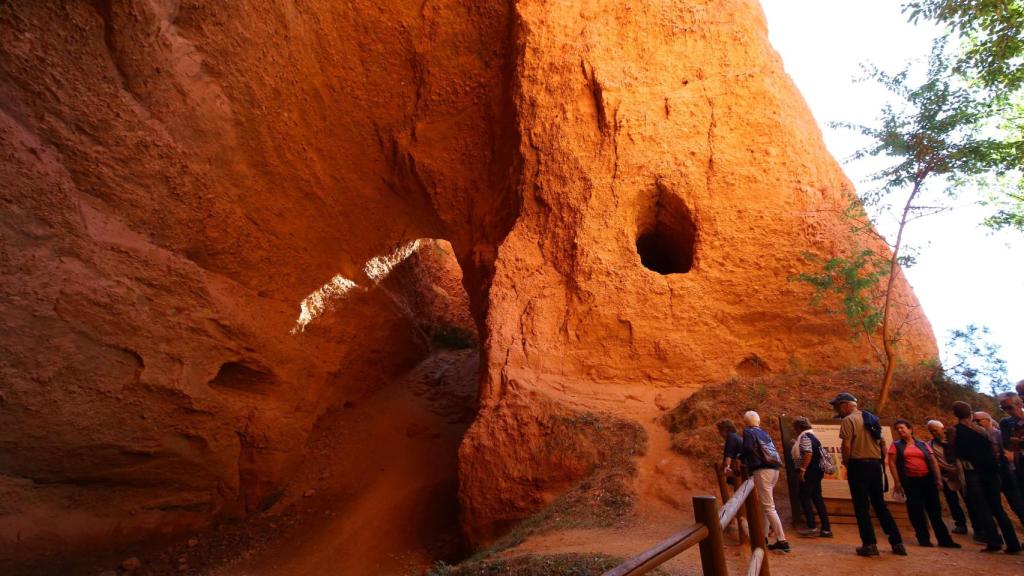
[[667, 243]]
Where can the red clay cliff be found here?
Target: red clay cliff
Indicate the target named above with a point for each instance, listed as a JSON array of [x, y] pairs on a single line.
[[202, 204]]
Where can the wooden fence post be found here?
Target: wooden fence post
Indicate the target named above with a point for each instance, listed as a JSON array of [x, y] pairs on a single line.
[[755, 523], [712, 548]]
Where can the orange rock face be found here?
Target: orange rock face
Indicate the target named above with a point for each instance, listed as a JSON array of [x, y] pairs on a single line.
[[672, 179], [203, 203]]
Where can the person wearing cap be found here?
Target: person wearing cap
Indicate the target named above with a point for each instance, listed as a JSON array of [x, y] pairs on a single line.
[[952, 477], [916, 474], [806, 454], [862, 456], [973, 447]]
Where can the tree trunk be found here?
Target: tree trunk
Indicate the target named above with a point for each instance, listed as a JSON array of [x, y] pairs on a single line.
[[888, 340]]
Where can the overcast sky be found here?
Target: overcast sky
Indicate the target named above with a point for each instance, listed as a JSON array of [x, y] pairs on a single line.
[[964, 273]]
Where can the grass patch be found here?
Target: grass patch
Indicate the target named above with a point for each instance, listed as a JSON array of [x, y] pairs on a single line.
[[534, 565]]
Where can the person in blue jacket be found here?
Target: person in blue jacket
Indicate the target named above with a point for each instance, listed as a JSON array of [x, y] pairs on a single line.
[[762, 460]]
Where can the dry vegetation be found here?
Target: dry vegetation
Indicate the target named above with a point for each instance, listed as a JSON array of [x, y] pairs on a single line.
[[605, 495], [603, 498], [534, 565], [918, 396]]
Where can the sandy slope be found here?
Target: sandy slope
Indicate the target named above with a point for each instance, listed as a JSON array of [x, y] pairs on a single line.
[[400, 510]]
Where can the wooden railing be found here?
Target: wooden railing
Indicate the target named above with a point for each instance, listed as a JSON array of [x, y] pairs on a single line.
[[706, 532]]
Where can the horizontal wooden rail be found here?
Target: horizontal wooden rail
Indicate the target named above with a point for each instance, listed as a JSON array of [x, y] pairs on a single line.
[[732, 507], [707, 532], [756, 559], [662, 552]]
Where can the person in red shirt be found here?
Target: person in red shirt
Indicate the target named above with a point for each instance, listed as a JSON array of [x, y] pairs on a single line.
[[917, 476]]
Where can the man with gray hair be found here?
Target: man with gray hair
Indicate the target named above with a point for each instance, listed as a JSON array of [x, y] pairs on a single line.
[[863, 449], [762, 460], [952, 476]]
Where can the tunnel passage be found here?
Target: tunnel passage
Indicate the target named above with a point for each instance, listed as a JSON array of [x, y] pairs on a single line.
[[667, 237], [396, 443]]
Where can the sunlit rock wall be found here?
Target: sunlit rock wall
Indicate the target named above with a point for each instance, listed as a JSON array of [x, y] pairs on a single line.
[[663, 131], [201, 199]]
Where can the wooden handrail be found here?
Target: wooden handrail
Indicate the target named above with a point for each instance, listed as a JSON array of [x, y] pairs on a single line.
[[756, 560], [707, 532], [723, 488], [732, 507], [661, 552]]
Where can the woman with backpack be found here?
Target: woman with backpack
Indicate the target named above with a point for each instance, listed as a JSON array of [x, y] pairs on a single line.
[[917, 476], [761, 458], [812, 463]]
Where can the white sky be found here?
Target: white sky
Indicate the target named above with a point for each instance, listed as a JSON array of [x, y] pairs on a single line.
[[964, 273]]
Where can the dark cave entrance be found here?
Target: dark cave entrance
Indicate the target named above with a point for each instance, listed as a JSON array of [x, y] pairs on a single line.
[[666, 242]]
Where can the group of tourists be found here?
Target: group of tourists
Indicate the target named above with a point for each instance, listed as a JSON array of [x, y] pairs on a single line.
[[977, 461]]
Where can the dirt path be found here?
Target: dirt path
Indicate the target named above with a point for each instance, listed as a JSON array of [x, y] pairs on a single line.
[[394, 458], [666, 482], [810, 556], [391, 464]]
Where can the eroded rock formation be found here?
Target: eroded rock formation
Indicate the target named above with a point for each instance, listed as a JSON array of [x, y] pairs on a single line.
[[659, 137], [626, 187]]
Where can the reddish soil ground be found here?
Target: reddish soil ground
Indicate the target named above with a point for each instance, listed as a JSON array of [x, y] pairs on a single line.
[[405, 515], [390, 463], [809, 556]]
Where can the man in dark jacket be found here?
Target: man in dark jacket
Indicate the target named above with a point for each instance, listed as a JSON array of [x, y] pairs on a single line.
[[1012, 429], [1007, 481], [973, 448]]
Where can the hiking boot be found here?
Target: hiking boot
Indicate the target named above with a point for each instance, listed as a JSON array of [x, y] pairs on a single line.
[[991, 548], [949, 544], [960, 529], [780, 546], [1013, 550], [825, 534], [925, 543], [869, 550], [899, 549], [808, 532]]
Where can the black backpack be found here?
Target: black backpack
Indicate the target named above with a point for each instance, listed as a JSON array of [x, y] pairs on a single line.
[[873, 424]]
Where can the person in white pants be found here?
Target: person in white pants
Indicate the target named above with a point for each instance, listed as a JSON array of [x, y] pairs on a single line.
[[762, 459]]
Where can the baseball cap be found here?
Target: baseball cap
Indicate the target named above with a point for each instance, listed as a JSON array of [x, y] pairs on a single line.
[[843, 397]]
